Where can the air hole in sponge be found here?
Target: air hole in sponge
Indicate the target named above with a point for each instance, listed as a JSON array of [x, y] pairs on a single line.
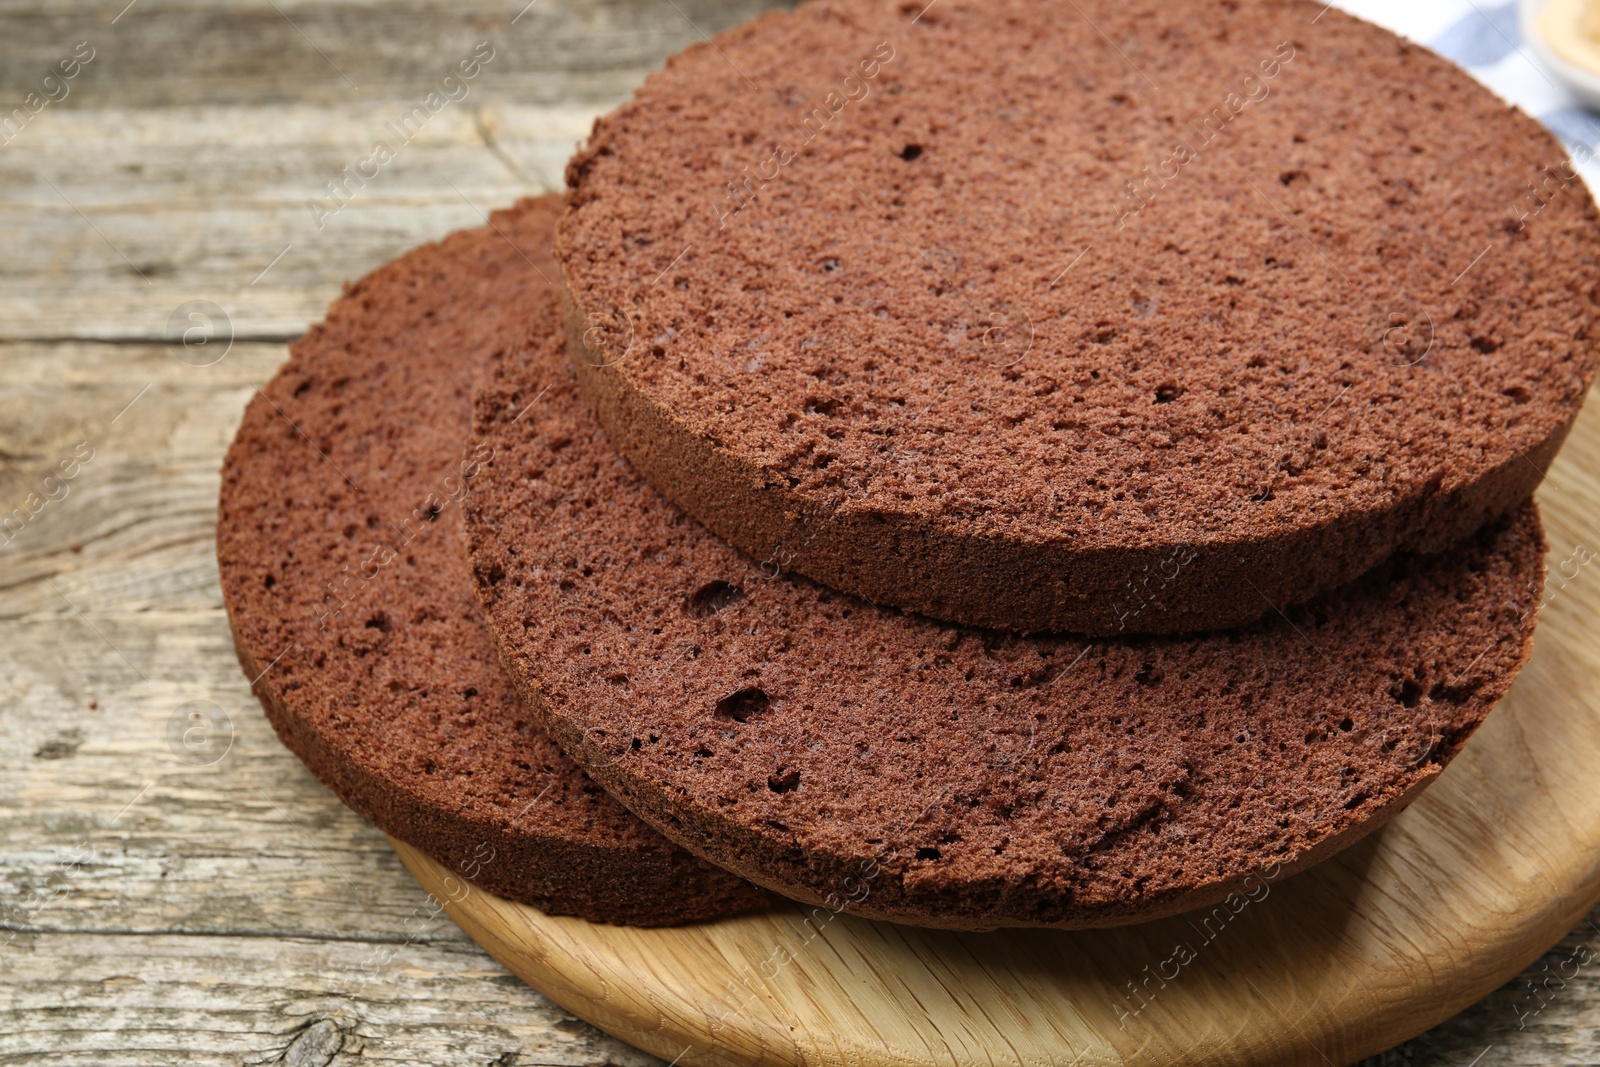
[[714, 596], [1408, 693], [927, 853], [1151, 675], [910, 152], [785, 782], [379, 622], [1166, 394], [744, 704]]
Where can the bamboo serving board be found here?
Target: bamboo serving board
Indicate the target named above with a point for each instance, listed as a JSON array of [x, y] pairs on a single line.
[[1492, 865]]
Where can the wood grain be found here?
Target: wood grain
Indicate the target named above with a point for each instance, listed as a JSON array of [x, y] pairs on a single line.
[[1453, 897], [180, 212], [234, 911], [257, 54]]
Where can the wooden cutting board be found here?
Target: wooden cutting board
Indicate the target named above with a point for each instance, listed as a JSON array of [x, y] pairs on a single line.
[[1493, 864]]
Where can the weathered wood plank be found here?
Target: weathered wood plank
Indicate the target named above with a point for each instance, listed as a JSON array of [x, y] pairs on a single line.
[[176, 208], [113, 1000], [159, 54]]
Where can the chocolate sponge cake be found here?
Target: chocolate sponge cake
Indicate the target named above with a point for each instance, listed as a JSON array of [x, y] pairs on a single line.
[[933, 774], [345, 579], [1114, 317]]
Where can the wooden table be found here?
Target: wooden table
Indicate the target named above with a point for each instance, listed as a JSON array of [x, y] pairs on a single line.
[[173, 897]]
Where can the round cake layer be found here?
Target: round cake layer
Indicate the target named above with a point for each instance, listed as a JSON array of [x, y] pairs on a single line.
[[1129, 316], [345, 578], [934, 774]]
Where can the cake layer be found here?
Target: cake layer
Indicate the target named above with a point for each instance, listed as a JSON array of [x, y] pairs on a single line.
[[1133, 316], [345, 578], [927, 773]]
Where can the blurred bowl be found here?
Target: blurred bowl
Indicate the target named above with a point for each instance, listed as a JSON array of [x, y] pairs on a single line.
[[1583, 83]]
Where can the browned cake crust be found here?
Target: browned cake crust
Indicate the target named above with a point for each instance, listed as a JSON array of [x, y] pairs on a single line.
[[933, 774], [1113, 317], [345, 579]]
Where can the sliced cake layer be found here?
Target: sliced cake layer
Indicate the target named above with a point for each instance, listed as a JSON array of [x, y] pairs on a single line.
[[1123, 316], [346, 582], [933, 774]]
